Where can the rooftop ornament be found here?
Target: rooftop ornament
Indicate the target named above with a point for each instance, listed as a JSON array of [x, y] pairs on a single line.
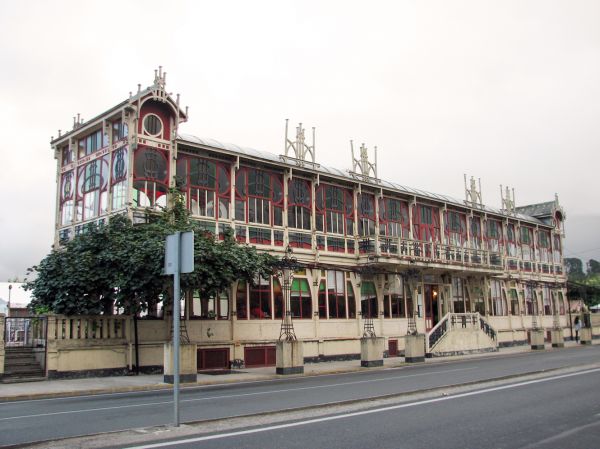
[[299, 147], [361, 167], [472, 194], [508, 202]]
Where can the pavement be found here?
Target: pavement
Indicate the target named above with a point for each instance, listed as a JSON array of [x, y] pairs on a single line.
[[144, 382]]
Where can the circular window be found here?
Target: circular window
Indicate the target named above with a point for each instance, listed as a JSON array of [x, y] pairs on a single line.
[[152, 124]]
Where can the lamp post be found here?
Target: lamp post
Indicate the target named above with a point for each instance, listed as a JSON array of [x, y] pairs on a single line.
[[285, 272], [8, 309]]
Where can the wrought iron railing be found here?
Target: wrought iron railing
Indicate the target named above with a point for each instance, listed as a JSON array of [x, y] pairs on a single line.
[[487, 329], [438, 331], [26, 332], [458, 321]]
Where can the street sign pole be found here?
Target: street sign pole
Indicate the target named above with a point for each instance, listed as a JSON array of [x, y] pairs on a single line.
[[176, 326], [179, 258]]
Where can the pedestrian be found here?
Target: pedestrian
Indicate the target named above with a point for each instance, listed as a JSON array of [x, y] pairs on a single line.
[[577, 328]]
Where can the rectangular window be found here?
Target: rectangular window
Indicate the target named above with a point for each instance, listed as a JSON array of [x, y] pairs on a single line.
[[335, 294], [119, 131]]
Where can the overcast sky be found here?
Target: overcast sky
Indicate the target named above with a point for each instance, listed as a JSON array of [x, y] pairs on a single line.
[[506, 91]]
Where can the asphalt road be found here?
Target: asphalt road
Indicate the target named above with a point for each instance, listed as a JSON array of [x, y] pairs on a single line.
[[560, 412], [38, 420]]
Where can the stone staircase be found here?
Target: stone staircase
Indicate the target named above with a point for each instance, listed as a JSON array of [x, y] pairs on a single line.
[[461, 333], [20, 365]]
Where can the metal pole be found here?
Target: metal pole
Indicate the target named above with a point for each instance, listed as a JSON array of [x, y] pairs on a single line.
[[176, 313]]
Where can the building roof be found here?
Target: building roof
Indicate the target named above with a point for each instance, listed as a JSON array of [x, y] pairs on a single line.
[[262, 155], [538, 210]]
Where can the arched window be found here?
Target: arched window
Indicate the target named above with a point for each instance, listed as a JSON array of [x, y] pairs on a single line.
[[366, 214], [206, 185], [259, 197], [556, 248], [476, 234], [336, 296], [494, 235], [241, 301], [299, 204], [561, 303], [511, 240], [546, 300], [92, 189], [526, 241], [393, 218], [260, 299], [393, 299], [300, 299], [150, 178], [529, 298], [368, 300], [458, 295], [256, 301], [456, 228], [514, 302], [426, 223], [67, 197], [544, 245], [119, 177], [210, 308], [335, 210], [498, 299]]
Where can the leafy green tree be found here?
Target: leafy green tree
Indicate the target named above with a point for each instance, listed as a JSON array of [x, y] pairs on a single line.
[[120, 265]]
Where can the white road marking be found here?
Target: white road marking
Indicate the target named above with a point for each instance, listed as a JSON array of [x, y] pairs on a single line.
[[361, 413], [258, 393]]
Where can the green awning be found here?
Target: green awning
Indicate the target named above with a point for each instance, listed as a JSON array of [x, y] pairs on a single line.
[[367, 288]]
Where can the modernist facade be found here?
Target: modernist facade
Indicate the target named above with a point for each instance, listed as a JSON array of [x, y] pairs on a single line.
[[374, 254]]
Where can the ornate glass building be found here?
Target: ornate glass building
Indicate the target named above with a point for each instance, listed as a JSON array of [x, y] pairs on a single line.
[[375, 254]]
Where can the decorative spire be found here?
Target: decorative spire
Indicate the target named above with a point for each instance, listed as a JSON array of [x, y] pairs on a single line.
[[472, 194], [299, 146], [508, 202], [158, 88], [362, 167]]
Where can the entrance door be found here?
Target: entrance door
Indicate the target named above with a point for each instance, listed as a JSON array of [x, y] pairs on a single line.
[[431, 306]]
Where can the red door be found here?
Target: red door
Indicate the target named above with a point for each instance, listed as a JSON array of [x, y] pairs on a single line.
[[213, 358], [257, 356]]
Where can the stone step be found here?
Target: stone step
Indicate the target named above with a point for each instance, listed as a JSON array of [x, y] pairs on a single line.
[[10, 363], [14, 380], [22, 369]]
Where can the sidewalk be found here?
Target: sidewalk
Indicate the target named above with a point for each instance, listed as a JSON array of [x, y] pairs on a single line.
[[143, 382]]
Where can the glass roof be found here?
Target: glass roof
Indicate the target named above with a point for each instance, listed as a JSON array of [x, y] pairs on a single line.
[[340, 173]]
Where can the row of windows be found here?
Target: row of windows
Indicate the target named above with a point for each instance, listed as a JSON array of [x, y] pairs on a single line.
[[90, 198], [336, 300]]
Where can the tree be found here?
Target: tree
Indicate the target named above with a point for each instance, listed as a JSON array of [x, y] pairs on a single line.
[[593, 267], [120, 265], [574, 268]]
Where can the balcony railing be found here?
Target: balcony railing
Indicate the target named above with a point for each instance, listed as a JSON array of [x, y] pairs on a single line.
[[382, 246]]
